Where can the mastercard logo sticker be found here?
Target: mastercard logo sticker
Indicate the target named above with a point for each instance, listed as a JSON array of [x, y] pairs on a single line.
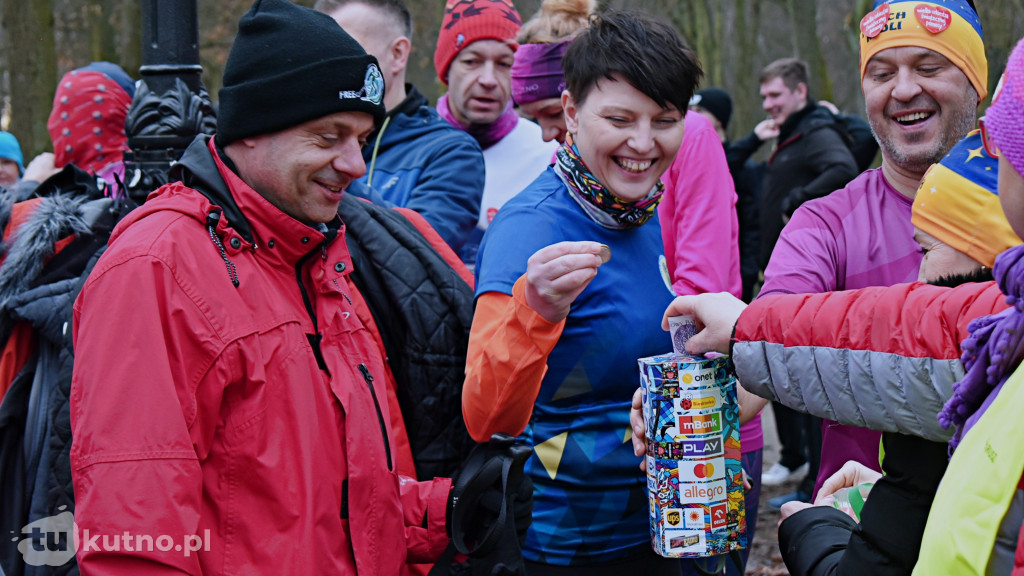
[[704, 470]]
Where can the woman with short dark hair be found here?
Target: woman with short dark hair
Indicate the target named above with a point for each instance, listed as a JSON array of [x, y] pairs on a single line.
[[570, 293]]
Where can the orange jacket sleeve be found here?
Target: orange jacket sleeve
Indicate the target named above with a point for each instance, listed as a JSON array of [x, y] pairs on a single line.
[[509, 345]]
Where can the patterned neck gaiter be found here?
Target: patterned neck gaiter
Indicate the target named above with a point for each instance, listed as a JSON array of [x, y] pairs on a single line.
[[597, 201]]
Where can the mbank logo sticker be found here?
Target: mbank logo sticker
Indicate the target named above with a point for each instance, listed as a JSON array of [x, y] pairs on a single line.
[[49, 541], [701, 424]]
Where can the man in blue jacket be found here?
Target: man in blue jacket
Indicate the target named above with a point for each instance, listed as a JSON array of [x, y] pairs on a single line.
[[416, 159]]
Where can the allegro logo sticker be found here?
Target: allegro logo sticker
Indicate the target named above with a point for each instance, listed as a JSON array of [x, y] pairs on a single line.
[[702, 492]]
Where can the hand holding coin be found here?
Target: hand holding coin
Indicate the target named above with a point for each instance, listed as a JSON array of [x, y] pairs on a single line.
[[556, 274]]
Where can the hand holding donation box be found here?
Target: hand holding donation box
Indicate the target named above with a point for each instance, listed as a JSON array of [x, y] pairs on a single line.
[[694, 470]]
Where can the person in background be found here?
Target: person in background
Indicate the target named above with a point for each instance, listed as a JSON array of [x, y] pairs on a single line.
[[475, 50], [862, 140], [811, 158], [715, 104], [87, 127], [569, 292], [11, 160], [921, 92], [416, 159], [537, 75]]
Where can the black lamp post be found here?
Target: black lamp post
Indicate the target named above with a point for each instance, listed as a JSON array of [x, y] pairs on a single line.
[[171, 105]]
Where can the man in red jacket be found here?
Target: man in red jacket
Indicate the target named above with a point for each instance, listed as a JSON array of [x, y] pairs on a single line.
[[228, 404]]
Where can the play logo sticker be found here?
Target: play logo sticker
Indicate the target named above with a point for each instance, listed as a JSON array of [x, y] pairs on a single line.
[[704, 448]]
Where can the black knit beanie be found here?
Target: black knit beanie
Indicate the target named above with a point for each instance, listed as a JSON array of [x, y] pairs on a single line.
[[716, 101], [290, 65]]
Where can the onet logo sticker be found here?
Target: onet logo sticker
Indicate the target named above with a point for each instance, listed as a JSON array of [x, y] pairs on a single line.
[[698, 376]]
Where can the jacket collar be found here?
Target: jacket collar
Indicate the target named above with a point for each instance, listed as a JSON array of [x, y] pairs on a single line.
[[794, 120], [246, 212], [198, 170], [414, 100]]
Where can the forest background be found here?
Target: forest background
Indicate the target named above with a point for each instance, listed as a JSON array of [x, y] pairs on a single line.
[[40, 40]]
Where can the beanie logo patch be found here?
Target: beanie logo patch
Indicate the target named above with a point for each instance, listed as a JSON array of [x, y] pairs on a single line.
[[875, 21], [372, 90], [935, 19]]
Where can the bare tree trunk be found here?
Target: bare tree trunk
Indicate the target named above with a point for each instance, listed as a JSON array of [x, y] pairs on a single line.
[[129, 44], [746, 103], [804, 14], [1003, 25], [32, 57]]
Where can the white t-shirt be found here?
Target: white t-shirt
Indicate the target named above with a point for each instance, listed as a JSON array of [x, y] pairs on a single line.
[[512, 163]]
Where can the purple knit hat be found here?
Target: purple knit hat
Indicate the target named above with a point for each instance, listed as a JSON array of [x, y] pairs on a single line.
[[1005, 117]]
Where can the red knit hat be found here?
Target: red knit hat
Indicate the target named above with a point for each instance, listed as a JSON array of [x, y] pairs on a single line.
[[466, 21]]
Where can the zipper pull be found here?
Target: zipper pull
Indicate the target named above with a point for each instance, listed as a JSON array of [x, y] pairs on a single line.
[[322, 228], [366, 373]]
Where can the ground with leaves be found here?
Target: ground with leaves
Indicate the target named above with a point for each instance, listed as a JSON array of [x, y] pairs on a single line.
[[765, 559]]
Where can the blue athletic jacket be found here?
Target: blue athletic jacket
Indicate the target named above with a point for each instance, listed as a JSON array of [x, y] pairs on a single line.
[[419, 161]]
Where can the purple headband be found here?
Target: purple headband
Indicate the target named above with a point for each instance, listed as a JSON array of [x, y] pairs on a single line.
[[537, 72]]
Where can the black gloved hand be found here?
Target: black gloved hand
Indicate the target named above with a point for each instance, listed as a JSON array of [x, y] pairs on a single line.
[[491, 499], [520, 502]]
